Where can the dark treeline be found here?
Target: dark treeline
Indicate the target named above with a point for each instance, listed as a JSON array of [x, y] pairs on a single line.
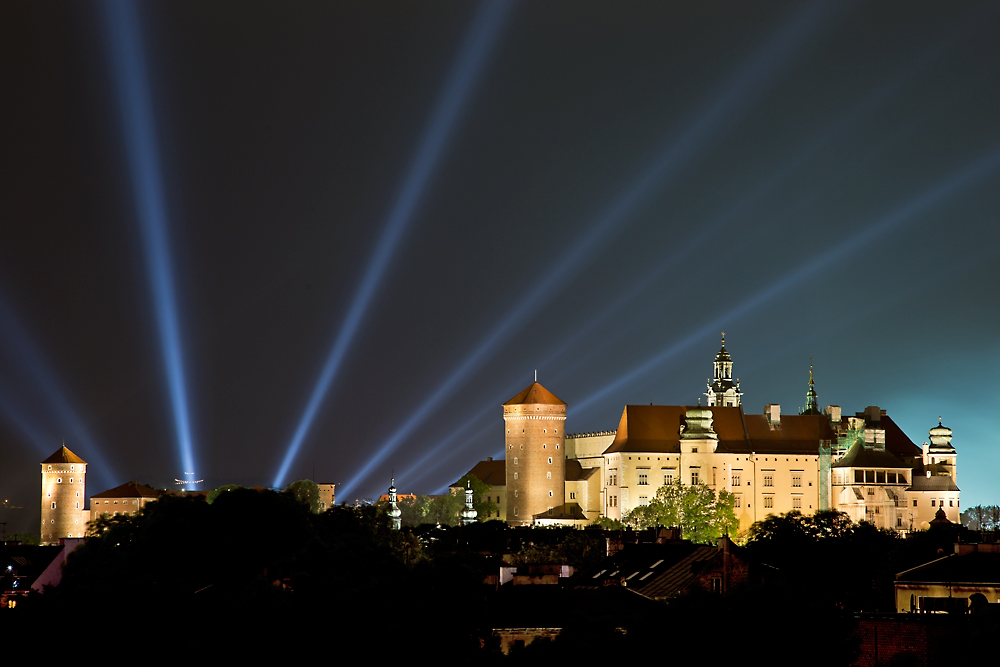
[[257, 574]]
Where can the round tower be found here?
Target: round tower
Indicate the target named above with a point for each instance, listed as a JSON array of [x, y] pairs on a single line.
[[63, 494], [534, 422]]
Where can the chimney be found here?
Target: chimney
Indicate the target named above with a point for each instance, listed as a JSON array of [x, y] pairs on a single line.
[[773, 413]]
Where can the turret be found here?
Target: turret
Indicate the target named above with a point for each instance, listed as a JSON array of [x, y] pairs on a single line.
[[721, 389], [534, 422]]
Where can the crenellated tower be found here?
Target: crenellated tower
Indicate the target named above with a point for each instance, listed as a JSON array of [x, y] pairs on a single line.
[[534, 422], [63, 496]]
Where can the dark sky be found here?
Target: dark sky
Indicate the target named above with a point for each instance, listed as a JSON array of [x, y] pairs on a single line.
[[620, 183]]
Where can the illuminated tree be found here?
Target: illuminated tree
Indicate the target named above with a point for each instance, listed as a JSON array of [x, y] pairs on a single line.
[[702, 515], [306, 492]]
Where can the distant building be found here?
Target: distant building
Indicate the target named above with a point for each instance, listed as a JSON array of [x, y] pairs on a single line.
[[63, 497], [127, 499], [772, 463], [955, 583]]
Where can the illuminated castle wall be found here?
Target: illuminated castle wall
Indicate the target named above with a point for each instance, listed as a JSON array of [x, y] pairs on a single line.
[[63, 497], [534, 422], [863, 465]]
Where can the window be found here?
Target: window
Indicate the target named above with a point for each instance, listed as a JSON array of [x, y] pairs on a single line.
[[515, 475], [59, 480], [543, 445], [768, 502], [70, 480], [694, 450], [53, 505], [557, 446], [932, 502], [643, 479], [796, 502], [515, 493], [572, 495], [515, 460], [768, 479], [550, 459], [736, 477], [694, 477], [548, 475], [796, 478], [550, 494], [515, 511], [951, 503], [668, 478]]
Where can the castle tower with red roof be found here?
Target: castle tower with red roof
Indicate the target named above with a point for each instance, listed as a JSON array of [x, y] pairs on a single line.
[[534, 422], [63, 496]]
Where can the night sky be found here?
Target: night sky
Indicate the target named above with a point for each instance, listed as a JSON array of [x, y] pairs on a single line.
[[594, 190]]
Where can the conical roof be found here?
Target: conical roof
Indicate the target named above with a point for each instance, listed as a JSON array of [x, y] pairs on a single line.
[[63, 455], [535, 394]]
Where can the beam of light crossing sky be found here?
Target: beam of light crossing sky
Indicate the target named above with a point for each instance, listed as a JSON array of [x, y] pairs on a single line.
[[33, 370], [473, 52], [123, 29], [750, 197], [703, 124], [916, 206]]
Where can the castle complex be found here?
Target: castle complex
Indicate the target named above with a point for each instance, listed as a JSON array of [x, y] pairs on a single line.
[[863, 465]]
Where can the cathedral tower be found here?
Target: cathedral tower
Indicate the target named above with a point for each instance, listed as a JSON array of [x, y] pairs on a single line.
[[63, 493], [534, 422], [722, 390]]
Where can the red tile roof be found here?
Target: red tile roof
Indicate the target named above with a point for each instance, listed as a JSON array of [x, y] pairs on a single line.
[[63, 455], [535, 394]]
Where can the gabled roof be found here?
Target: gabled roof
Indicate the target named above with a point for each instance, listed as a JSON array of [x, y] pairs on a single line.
[[63, 455], [896, 441], [492, 472], [130, 490], [576, 472], [656, 428], [973, 568], [656, 571], [535, 394], [932, 483], [860, 456]]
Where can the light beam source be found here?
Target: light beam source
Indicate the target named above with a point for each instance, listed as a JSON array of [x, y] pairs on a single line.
[[123, 29], [478, 40]]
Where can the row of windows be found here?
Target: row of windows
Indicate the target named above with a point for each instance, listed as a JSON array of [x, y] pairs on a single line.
[[544, 446], [515, 463]]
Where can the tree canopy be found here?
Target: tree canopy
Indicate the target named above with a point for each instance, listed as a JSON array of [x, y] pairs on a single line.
[[702, 515]]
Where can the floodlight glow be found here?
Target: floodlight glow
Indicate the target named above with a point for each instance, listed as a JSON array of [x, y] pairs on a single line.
[[966, 177], [704, 123], [473, 52], [417, 471], [34, 373], [123, 29]]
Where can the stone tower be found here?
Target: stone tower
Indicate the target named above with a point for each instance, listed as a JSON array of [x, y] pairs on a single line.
[[534, 422], [721, 389], [63, 494]]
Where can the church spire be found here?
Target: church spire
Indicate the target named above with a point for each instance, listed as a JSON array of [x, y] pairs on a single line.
[[812, 402], [721, 389]]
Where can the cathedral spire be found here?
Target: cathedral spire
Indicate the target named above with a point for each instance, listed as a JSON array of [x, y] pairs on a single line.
[[721, 389], [812, 402]]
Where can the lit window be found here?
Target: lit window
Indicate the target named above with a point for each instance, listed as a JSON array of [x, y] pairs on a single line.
[[548, 475]]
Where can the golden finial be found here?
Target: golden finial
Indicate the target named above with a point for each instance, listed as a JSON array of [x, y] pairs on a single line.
[[723, 338]]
